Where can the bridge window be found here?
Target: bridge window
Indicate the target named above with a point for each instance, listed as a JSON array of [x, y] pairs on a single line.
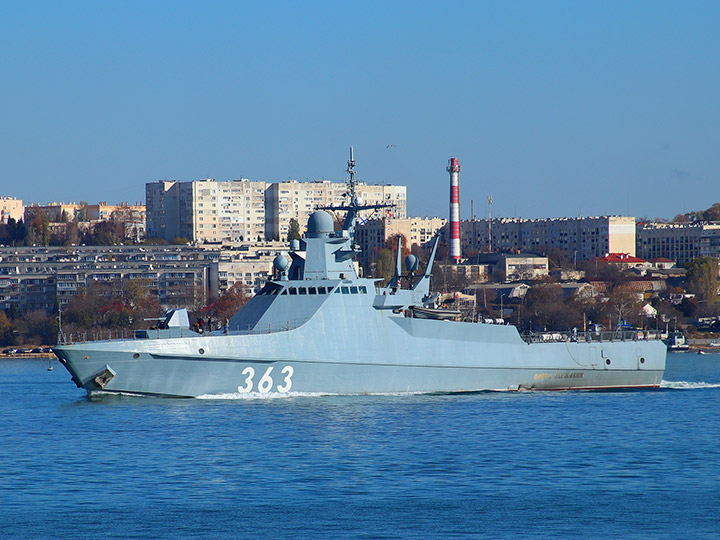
[[303, 290], [353, 290], [345, 290], [284, 291], [321, 290], [312, 290], [363, 290], [293, 291]]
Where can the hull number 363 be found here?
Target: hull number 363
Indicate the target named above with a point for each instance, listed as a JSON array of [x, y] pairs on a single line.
[[266, 382]]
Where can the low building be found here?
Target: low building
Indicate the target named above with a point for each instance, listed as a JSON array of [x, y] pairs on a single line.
[[514, 266], [624, 261]]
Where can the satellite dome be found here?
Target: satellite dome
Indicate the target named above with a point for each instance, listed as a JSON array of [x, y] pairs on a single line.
[[320, 223]]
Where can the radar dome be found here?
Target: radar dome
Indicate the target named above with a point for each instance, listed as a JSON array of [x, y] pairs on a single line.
[[320, 223], [280, 263], [411, 263]]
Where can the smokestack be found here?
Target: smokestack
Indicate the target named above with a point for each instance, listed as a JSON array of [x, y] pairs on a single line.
[[454, 169]]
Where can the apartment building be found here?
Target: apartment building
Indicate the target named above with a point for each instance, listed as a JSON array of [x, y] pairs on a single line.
[[681, 242], [582, 238], [10, 207], [297, 200], [38, 278], [206, 210], [55, 211]]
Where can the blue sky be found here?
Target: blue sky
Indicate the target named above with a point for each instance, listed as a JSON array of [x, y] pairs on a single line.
[[553, 108]]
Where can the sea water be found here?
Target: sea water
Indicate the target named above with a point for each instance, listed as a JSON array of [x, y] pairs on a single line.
[[619, 464]]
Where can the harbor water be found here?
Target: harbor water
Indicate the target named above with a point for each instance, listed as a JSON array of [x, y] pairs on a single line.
[[627, 464]]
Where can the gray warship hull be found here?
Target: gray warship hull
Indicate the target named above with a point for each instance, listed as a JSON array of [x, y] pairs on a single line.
[[320, 327], [335, 356]]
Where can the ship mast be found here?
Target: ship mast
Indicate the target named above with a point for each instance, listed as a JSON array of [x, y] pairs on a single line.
[[354, 204]]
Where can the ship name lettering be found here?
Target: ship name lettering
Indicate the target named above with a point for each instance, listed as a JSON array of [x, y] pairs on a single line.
[[569, 375]]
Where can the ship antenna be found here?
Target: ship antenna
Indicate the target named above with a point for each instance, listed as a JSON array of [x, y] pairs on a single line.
[[351, 181]]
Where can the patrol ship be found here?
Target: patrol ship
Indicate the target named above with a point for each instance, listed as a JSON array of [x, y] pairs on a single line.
[[319, 326]]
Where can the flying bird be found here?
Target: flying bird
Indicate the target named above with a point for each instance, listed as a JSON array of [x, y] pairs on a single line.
[[389, 146]]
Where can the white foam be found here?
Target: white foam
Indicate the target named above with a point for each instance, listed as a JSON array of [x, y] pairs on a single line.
[[685, 385], [258, 395], [285, 395]]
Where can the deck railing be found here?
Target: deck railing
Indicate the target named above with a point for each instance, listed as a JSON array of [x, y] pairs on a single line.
[[165, 333]]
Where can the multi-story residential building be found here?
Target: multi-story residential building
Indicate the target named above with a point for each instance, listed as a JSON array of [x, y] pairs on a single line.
[[103, 211], [55, 211], [10, 207], [132, 217], [582, 238], [681, 242], [38, 278], [297, 200], [206, 210], [374, 233]]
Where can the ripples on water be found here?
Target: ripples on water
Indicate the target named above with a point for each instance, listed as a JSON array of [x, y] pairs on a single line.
[[633, 464]]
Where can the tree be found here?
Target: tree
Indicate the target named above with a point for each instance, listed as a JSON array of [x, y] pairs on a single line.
[[231, 301], [547, 308], [293, 230], [384, 262], [559, 258], [39, 230], [622, 306], [703, 276], [5, 329]]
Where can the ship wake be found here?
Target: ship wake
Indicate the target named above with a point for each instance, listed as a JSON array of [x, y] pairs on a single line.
[[686, 385]]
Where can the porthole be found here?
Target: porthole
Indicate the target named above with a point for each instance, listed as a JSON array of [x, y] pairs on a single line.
[[607, 361], [201, 351], [642, 360], [136, 356]]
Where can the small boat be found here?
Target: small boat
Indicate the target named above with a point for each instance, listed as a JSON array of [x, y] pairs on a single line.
[[435, 313], [676, 342], [700, 351]]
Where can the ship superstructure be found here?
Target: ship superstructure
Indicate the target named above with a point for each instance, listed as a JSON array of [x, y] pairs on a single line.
[[320, 326]]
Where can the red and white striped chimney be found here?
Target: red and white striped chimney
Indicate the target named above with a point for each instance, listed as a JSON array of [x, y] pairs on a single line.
[[454, 169]]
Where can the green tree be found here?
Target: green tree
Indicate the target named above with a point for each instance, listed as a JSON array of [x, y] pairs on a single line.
[[384, 264], [5, 329], [702, 274], [293, 230]]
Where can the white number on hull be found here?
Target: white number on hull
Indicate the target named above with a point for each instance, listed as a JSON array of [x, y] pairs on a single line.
[[288, 372], [250, 372], [265, 383]]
